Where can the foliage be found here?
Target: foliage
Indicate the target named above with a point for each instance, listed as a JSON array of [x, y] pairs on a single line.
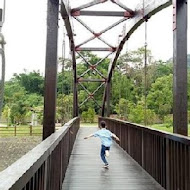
[[32, 82], [24, 92], [123, 108], [160, 96], [88, 116], [64, 108], [168, 119]]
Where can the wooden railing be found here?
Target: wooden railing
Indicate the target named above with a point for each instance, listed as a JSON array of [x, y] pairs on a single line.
[[44, 167], [165, 156]]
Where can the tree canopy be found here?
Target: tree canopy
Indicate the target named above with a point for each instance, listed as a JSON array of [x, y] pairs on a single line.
[[24, 92]]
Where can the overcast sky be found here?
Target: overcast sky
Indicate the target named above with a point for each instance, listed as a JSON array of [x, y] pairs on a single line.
[[25, 33]]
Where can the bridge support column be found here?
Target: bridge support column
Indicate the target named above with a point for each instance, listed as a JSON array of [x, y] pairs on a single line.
[[108, 99], [180, 66], [51, 69], [75, 90]]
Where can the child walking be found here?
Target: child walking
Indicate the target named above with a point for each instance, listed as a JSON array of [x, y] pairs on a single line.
[[106, 141]]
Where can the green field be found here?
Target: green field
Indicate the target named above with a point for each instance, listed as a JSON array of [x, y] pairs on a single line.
[[163, 127], [88, 124], [25, 130], [20, 130]]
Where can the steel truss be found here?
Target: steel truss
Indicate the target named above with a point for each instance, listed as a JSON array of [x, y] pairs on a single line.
[[76, 13], [133, 18]]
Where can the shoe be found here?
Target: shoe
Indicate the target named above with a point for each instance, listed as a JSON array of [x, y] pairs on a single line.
[[106, 166], [107, 153]]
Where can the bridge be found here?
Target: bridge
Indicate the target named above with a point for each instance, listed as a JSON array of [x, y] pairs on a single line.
[[144, 158]]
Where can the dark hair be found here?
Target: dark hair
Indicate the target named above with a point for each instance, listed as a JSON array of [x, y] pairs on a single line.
[[103, 124]]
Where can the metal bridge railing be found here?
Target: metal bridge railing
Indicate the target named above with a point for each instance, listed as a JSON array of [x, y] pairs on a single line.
[[44, 167], [165, 156]]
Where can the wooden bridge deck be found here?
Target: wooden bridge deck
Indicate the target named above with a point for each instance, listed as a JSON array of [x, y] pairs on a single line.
[[85, 170]]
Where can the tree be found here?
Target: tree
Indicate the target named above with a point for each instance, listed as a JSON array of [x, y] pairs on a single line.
[[64, 108], [123, 108], [160, 97], [33, 82], [6, 113], [85, 116], [91, 115]]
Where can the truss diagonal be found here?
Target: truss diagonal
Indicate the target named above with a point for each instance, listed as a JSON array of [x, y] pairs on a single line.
[[90, 30], [87, 5]]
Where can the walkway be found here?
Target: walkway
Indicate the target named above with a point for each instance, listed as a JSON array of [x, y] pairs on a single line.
[[85, 170]]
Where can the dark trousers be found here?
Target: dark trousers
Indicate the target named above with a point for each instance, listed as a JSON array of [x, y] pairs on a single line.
[[102, 153]]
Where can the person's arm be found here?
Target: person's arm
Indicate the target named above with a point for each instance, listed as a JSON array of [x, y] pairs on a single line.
[[115, 137], [89, 136]]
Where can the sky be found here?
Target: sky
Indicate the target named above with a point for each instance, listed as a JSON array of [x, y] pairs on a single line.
[[25, 33]]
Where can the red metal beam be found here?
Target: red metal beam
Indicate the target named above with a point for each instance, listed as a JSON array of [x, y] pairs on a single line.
[[103, 13], [91, 80], [95, 49]]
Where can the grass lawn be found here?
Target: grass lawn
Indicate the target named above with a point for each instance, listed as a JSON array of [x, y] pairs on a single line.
[[168, 129], [21, 130], [88, 124]]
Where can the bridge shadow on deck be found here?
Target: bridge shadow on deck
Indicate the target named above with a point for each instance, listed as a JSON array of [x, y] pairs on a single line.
[[85, 170]]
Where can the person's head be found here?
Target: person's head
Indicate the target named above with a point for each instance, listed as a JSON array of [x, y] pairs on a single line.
[[103, 124]]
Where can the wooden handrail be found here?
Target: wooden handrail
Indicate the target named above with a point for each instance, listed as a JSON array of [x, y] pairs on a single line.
[[44, 166], [165, 156]]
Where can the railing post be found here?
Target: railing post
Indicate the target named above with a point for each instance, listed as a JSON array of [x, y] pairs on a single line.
[[142, 132], [30, 130], [167, 165], [15, 130], [108, 99]]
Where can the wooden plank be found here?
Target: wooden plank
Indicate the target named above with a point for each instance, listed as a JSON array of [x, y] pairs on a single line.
[[85, 168]]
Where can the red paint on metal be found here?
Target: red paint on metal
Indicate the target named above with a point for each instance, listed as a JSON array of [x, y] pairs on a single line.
[[79, 79], [92, 67], [97, 34], [91, 96], [128, 14], [103, 1], [113, 49], [77, 49], [75, 13]]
